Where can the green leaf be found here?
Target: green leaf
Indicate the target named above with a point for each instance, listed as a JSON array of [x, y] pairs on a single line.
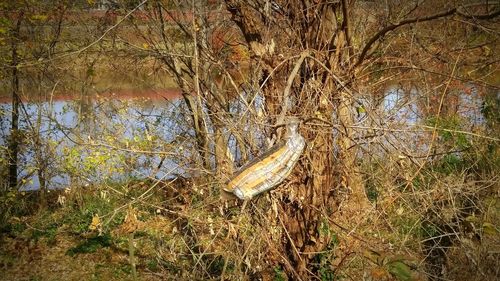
[[400, 270]]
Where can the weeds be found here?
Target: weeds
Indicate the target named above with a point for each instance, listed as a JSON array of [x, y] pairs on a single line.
[[90, 245]]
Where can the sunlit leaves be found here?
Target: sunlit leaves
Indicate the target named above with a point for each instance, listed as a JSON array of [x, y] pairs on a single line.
[[96, 223], [94, 164], [39, 17]]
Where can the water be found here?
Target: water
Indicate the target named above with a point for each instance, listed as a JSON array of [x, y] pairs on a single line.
[[401, 122], [120, 137], [83, 142]]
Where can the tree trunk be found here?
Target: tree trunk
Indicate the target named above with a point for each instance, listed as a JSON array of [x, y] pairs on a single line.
[[16, 101], [321, 30], [350, 178]]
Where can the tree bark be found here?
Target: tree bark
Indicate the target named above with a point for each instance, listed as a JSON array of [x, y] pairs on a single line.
[[322, 31], [16, 101]]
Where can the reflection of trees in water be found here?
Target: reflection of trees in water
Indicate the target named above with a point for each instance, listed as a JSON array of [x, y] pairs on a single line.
[[4, 121], [397, 115], [164, 122], [123, 127], [86, 118]]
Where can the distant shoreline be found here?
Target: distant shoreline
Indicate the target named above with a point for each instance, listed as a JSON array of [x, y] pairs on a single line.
[[160, 94]]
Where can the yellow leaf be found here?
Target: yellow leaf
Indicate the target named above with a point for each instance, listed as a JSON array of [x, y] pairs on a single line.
[[145, 45], [258, 48], [39, 17], [489, 228], [130, 223], [472, 219], [96, 222], [487, 50]]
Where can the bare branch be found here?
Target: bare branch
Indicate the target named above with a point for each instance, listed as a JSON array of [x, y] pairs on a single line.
[[385, 30], [389, 28], [286, 93], [346, 26], [479, 17]]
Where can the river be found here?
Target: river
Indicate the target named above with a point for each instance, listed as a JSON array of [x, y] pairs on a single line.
[[146, 134], [109, 137]]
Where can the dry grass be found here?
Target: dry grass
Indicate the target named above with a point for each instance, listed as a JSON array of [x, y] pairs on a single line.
[[190, 235]]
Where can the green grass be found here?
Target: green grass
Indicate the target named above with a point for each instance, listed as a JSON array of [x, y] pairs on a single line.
[[279, 274], [90, 245]]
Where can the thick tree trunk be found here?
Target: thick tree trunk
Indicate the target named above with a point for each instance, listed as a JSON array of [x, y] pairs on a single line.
[[323, 31]]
